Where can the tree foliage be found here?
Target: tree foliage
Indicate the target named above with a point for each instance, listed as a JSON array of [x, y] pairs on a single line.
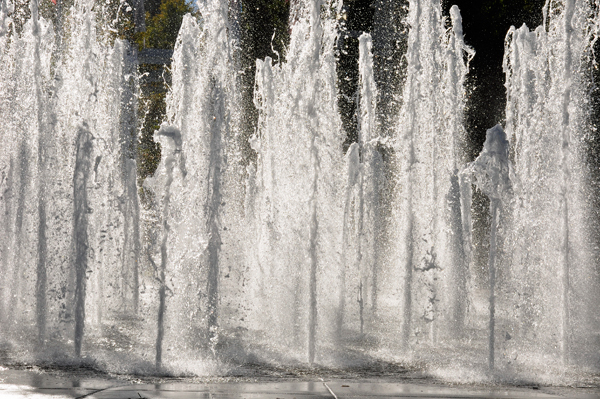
[[162, 28], [153, 109], [163, 21], [264, 31]]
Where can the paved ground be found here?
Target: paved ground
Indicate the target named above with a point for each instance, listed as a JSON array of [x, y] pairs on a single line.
[[38, 384]]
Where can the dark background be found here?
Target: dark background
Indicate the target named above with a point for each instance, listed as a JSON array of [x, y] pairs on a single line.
[[485, 24], [264, 26]]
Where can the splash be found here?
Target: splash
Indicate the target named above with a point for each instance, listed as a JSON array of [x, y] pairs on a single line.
[[301, 255]]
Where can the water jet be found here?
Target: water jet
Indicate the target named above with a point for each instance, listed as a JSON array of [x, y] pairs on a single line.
[[307, 253]]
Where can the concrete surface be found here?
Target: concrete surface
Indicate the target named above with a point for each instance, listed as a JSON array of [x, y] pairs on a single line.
[[37, 383]]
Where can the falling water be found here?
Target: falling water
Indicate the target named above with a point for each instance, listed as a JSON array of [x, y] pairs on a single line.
[[195, 214], [546, 121], [362, 214], [67, 188], [297, 184], [429, 145], [303, 254], [170, 138], [491, 171]]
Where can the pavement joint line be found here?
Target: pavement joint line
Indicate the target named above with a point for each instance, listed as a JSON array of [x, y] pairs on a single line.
[[92, 393], [330, 391]]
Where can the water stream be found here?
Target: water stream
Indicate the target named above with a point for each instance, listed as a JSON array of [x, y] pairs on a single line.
[[307, 255]]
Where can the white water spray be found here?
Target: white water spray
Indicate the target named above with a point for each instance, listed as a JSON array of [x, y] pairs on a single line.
[[430, 136], [546, 123], [306, 255]]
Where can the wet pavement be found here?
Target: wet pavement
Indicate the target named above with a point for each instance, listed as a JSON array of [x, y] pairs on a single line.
[[39, 384]]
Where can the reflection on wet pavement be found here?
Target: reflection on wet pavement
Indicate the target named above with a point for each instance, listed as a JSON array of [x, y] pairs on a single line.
[[37, 383]]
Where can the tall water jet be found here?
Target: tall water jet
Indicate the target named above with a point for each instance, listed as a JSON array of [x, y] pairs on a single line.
[[41, 276], [430, 149], [81, 176], [297, 182], [201, 107], [93, 94], [65, 172], [546, 121], [362, 220], [491, 173], [24, 77], [170, 139]]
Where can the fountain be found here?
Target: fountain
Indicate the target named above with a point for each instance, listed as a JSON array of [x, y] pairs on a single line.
[[306, 255], [546, 92], [69, 192]]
